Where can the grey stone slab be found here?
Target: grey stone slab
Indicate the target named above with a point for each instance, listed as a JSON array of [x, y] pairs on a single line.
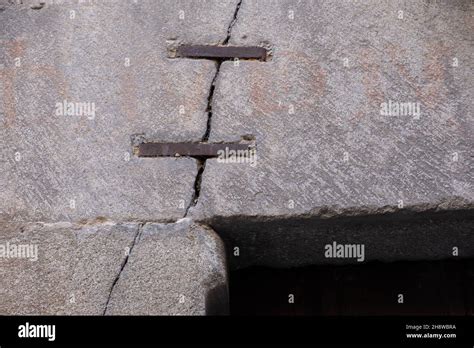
[[71, 272], [111, 56], [324, 147], [336, 149], [173, 269]]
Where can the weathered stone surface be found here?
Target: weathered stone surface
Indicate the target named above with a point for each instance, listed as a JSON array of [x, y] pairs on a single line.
[[113, 55], [323, 146], [173, 269], [301, 156], [75, 268], [330, 165]]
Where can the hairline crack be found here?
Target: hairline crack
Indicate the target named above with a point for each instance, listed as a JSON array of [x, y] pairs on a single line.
[[122, 267]]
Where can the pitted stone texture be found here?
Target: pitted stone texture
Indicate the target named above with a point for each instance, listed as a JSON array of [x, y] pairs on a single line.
[[173, 269], [322, 142], [75, 268], [60, 167]]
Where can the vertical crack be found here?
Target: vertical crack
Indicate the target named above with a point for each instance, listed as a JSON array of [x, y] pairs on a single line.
[[210, 98], [212, 88], [232, 23], [124, 263], [201, 163]]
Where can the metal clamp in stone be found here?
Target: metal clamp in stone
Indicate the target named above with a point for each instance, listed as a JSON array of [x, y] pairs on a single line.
[[204, 150], [221, 52]]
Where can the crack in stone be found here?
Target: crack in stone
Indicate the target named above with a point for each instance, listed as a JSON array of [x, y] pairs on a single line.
[[210, 98], [124, 263], [232, 23], [201, 163]]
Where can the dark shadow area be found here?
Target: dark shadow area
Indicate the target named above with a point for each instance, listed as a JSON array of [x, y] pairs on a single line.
[[428, 287], [413, 233], [217, 301]]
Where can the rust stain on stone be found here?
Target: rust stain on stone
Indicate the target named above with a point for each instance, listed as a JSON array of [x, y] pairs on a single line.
[[397, 53], [434, 90], [371, 76], [358, 116], [194, 99], [16, 47], [430, 87], [262, 99], [128, 94], [56, 75], [9, 107], [10, 76]]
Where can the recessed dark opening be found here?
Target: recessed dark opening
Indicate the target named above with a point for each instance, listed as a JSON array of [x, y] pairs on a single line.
[[429, 288]]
